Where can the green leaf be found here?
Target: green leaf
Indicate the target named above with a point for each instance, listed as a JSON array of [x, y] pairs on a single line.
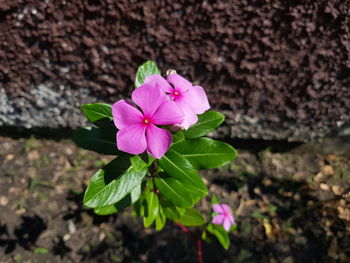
[[171, 211], [220, 233], [207, 122], [147, 158], [139, 206], [160, 219], [94, 139], [128, 200], [214, 200], [97, 111], [113, 182], [178, 137], [146, 69], [206, 153], [191, 217], [100, 114], [180, 168], [173, 190], [152, 208], [41, 250], [205, 237]]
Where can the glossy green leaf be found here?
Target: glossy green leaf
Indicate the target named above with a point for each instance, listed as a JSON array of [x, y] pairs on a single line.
[[113, 182], [128, 200], [173, 190], [178, 137], [152, 208], [146, 69], [180, 168], [171, 211], [191, 217], [94, 139], [139, 206], [97, 111], [160, 219], [207, 122], [220, 233], [206, 153]]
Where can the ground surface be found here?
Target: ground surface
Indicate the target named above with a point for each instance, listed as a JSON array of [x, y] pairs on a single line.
[[291, 206]]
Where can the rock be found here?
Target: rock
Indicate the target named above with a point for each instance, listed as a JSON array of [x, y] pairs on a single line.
[[4, 200], [288, 260], [337, 189]]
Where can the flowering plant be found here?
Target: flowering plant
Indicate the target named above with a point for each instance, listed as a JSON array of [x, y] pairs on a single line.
[[159, 147]]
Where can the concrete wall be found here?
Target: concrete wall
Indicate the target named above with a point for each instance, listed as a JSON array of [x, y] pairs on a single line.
[[276, 69]]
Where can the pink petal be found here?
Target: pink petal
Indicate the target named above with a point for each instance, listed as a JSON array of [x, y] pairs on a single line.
[[149, 97], [158, 141], [190, 117], [218, 219], [160, 81], [124, 114], [231, 218], [179, 82], [132, 139], [226, 209], [227, 224], [217, 208], [197, 98], [168, 113]]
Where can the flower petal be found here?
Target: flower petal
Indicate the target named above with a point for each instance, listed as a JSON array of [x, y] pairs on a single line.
[[217, 208], [168, 113], [218, 219], [226, 209], [158, 141], [179, 82], [190, 117], [125, 115], [149, 97], [197, 98], [160, 81], [132, 139], [231, 218], [227, 224]]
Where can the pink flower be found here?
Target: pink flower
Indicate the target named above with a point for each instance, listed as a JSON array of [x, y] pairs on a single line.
[[137, 130], [224, 216], [192, 100]]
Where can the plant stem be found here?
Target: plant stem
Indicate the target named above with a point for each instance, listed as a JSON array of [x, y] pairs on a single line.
[[153, 170], [197, 238]]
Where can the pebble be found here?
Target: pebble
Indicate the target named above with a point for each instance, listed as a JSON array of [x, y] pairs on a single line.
[[4, 200], [324, 187], [71, 227], [9, 157], [337, 190], [288, 260], [33, 155]]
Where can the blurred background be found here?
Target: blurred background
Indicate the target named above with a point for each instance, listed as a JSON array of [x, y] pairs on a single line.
[[278, 70]]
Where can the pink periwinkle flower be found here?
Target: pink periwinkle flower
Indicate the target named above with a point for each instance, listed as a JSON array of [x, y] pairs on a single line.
[[192, 100], [137, 130], [223, 217]]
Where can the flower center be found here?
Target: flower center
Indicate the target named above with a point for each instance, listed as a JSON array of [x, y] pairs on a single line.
[[176, 93], [146, 121]]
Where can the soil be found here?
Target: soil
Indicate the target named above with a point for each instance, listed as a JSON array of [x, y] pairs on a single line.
[[290, 206]]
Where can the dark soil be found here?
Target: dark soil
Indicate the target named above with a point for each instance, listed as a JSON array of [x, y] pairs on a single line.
[[289, 207]]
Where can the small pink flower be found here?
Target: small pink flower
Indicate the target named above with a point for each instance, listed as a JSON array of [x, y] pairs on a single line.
[[192, 100], [224, 216], [137, 130]]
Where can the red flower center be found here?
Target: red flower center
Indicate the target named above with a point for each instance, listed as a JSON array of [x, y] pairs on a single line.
[[146, 121]]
